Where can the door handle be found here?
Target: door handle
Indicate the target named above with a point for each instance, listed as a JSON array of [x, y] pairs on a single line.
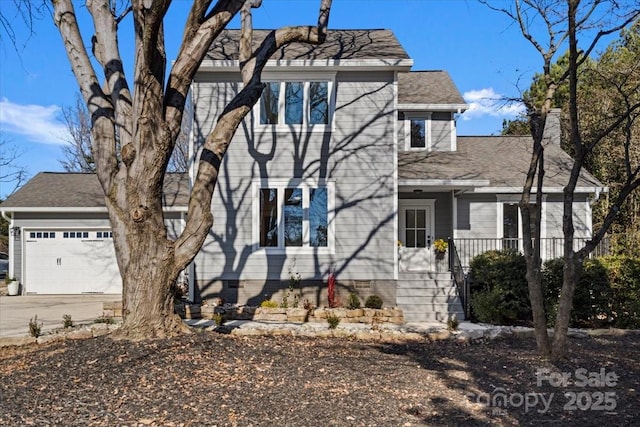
[[429, 240], [59, 261]]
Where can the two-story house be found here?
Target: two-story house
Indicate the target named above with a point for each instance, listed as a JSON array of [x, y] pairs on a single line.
[[349, 165]]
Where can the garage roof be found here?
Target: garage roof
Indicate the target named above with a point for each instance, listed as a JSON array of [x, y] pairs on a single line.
[[62, 190]]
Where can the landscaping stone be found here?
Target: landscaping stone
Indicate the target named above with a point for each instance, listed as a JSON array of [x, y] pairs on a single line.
[[79, 334]]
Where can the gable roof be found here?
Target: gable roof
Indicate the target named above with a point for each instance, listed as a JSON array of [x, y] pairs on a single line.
[[503, 161], [60, 190], [339, 45], [427, 87]]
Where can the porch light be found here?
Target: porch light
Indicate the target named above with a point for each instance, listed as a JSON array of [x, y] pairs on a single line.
[[15, 232]]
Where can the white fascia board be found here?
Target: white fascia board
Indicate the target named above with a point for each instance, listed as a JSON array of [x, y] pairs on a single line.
[[443, 182], [547, 190], [459, 108], [305, 64], [77, 209]]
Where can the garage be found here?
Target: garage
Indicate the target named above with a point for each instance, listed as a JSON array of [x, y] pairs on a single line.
[[70, 261]]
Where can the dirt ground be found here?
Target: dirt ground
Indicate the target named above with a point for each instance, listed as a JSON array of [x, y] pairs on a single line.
[[208, 379]]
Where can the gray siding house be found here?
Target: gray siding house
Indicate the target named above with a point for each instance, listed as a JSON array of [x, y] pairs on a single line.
[[350, 166]]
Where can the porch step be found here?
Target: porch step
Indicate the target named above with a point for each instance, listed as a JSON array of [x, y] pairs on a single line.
[[428, 297]]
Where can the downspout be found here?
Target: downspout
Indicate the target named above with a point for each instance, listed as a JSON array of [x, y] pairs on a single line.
[[9, 219]]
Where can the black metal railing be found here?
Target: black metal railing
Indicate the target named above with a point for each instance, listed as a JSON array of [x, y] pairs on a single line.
[[550, 247], [459, 278]]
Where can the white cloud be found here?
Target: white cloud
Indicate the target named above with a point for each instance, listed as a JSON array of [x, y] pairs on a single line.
[[486, 102], [35, 122]]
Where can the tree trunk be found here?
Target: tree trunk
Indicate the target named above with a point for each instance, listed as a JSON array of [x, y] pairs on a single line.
[[146, 259]]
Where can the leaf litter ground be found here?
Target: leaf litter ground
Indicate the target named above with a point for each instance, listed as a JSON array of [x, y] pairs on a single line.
[[210, 379]]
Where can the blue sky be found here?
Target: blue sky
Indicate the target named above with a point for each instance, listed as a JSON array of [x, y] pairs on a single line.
[[481, 49]]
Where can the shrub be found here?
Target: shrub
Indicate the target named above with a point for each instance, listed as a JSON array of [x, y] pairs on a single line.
[[35, 327], [453, 323], [624, 279], [353, 301], [269, 304], [67, 322], [333, 321], [218, 319], [373, 301], [591, 299], [499, 292]]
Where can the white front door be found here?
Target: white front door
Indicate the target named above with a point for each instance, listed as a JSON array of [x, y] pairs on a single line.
[[416, 226]]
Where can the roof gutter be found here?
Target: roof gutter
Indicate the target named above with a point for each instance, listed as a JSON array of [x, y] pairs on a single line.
[[223, 65]]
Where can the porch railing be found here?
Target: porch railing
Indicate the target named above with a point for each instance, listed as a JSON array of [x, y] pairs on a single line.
[[550, 247], [459, 278]]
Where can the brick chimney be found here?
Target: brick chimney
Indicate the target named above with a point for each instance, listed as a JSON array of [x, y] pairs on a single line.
[[552, 130]]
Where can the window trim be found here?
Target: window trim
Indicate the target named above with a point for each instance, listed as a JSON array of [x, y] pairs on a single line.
[[503, 199], [281, 186], [408, 117], [306, 80]]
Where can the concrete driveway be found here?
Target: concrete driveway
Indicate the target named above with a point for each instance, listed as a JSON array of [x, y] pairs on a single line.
[[16, 311]]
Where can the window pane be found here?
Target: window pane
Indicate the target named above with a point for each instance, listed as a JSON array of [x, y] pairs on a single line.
[[269, 104], [318, 103], [268, 217], [510, 221], [420, 218], [411, 218], [318, 217], [293, 103], [417, 134], [293, 217], [421, 239], [410, 238]]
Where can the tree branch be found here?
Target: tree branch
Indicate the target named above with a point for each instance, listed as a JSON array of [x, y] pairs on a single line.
[[98, 104], [199, 215]]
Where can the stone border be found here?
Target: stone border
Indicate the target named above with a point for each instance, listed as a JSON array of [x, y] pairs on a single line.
[[79, 332], [388, 332]]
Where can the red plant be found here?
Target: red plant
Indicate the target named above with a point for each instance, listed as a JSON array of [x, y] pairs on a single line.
[[333, 300]]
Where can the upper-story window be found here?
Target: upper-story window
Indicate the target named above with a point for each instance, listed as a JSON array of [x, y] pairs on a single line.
[[417, 131], [296, 103]]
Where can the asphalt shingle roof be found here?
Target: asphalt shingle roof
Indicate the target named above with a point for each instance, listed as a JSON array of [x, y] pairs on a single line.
[[502, 160], [82, 190], [427, 87], [340, 44]]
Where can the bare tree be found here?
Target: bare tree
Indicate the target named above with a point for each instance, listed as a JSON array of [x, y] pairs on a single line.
[[12, 174], [145, 121], [563, 21], [77, 151]]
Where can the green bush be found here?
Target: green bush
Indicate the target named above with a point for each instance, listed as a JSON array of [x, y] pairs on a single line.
[[35, 327], [591, 300], [624, 278], [499, 292], [353, 302], [67, 322], [373, 301], [333, 321]]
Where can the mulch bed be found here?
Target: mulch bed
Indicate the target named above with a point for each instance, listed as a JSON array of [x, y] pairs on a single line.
[[207, 379]]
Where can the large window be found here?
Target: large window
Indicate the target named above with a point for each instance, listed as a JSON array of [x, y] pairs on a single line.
[[295, 103], [293, 216]]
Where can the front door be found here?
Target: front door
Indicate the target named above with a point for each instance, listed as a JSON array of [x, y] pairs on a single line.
[[416, 235]]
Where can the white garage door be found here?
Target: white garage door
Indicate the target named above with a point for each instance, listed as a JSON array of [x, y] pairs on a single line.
[[71, 262]]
